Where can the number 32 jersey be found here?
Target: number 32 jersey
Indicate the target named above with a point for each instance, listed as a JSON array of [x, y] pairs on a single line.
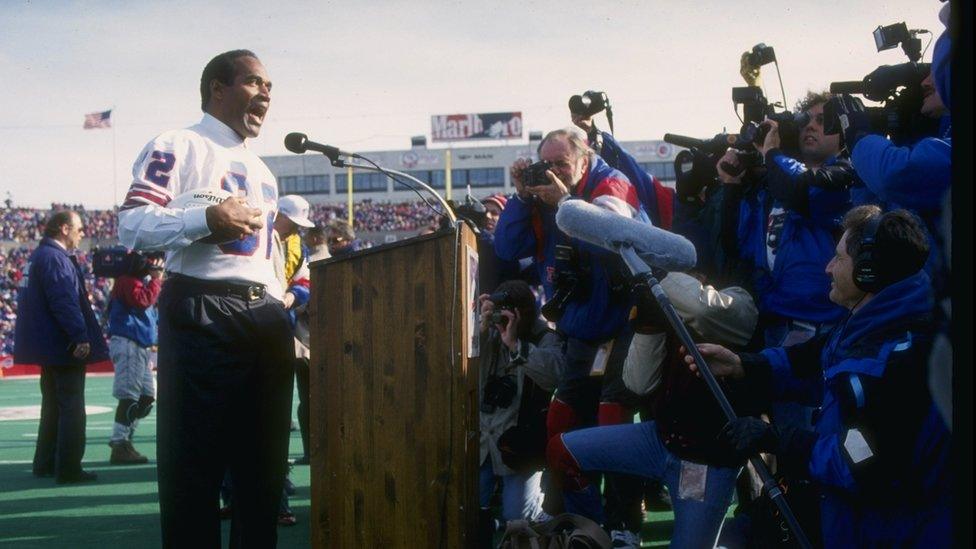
[[209, 155]]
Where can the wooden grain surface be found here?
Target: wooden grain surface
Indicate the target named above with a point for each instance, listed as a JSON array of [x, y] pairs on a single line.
[[393, 430]]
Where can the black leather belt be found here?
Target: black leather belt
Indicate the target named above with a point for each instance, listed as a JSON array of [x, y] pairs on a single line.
[[241, 290]]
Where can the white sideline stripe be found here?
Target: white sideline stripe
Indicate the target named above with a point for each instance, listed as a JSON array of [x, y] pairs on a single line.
[[16, 462], [20, 413]]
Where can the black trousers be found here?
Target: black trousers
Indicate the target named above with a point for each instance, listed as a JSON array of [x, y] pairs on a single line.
[[61, 433], [225, 381], [302, 380]]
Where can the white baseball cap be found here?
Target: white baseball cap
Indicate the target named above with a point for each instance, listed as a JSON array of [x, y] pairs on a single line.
[[296, 209]]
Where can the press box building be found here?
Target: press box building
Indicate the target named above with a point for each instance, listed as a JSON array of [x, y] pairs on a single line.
[[484, 168]]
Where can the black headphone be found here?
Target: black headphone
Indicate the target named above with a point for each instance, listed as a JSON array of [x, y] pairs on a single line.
[[867, 276]]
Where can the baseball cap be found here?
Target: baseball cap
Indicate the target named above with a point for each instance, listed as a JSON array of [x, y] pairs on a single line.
[[296, 209]]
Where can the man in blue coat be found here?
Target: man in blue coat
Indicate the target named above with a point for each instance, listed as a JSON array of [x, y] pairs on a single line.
[[878, 452], [57, 329]]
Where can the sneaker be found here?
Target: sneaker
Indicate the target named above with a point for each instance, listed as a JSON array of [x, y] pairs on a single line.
[[124, 454], [75, 478], [302, 461], [287, 519], [225, 512], [624, 539]]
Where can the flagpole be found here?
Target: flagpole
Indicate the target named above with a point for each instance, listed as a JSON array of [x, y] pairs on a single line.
[[115, 184]]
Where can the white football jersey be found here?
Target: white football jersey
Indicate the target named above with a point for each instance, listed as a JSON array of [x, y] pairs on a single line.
[[207, 155]]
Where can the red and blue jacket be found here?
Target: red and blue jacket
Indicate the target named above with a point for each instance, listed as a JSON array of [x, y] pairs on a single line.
[[132, 312], [528, 229]]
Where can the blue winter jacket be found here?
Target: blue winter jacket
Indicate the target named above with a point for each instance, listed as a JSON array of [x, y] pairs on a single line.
[[132, 322], [880, 450], [797, 287], [53, 310], [527, 229]]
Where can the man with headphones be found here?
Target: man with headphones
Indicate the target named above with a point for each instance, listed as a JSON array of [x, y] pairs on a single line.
[[878, 452]]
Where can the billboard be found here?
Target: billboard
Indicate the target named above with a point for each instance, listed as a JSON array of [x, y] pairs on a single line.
[[467, 127]]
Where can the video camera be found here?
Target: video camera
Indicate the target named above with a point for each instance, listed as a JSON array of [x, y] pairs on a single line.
[[117, 261], [694, 168], [756, 109], [897, 87]]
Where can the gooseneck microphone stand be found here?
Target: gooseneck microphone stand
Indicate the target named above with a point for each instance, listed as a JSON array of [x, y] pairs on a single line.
[[641, 270], [394, 174]]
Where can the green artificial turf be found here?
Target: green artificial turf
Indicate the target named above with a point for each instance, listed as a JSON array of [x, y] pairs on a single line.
[[121, 508]]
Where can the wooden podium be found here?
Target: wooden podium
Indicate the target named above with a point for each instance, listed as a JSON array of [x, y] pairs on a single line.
[[394, 397]]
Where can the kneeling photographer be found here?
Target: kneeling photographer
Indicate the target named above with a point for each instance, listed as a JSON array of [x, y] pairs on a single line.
[[878, 450], [132, 327], [520, 361], [677, 447]]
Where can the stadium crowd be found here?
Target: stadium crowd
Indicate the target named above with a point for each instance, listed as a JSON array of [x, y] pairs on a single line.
[[13, 260], [22, 228]]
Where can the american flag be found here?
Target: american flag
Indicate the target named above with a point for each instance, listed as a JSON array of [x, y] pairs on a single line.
[[98, 120]]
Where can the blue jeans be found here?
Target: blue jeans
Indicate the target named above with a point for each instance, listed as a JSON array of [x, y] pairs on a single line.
[[636, 449], [521, 494]]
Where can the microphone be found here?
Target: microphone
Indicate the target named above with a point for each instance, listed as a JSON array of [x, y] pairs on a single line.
[[657, 247], [298, 143]]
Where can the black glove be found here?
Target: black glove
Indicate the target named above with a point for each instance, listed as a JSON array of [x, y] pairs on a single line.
[[647, 316], [845, 114], [748, 436]]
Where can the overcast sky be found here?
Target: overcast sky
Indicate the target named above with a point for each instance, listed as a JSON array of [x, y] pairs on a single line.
[[368, 75]]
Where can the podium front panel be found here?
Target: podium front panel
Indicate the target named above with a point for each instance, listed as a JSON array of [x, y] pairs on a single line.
[[394, 398]]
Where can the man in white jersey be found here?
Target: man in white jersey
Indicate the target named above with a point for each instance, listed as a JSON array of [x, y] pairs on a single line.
[[225, 344]]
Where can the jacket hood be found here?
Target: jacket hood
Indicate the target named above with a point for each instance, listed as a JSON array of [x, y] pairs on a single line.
[[906, 299]]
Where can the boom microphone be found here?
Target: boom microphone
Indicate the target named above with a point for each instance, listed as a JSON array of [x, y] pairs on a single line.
[[657, 247], [298, 143]]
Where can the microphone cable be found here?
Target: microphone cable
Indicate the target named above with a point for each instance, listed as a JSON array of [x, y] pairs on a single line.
[[397, 179]]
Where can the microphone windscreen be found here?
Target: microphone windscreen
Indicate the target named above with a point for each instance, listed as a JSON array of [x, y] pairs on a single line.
[[593, 224], [295, 142]]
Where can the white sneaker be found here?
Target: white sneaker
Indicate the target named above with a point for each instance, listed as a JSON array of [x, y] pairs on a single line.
[[624, 539]]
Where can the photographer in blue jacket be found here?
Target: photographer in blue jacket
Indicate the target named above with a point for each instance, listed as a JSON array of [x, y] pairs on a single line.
[[878, 451]]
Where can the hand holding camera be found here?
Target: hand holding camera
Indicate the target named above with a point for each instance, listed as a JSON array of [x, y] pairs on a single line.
[[155, 266], [507, 322], [772, 140], [846, 115], [498, 310], [487, 308], [551, 192], [729, 168], [518, 174]]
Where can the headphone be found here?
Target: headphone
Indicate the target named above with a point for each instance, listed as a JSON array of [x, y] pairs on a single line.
[[866, 275]]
